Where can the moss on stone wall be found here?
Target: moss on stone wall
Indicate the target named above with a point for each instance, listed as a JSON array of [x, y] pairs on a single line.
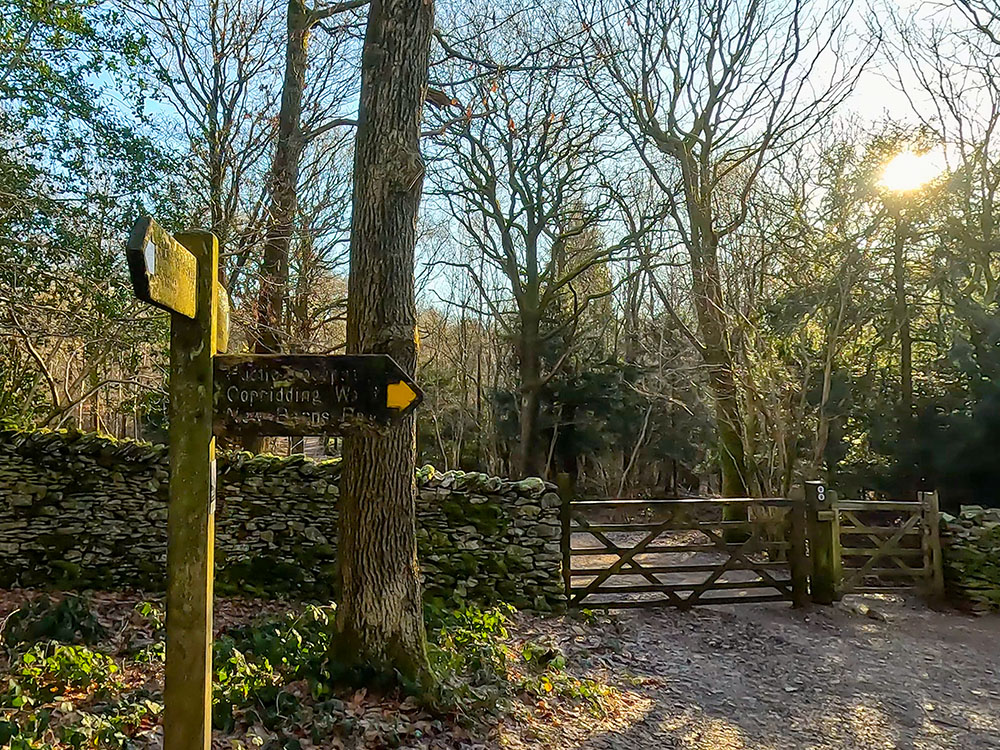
[[82, 510], [971, 546]]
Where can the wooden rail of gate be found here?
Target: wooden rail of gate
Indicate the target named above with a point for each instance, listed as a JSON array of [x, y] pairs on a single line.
[[643, 570], [867, 546], [899, 549]]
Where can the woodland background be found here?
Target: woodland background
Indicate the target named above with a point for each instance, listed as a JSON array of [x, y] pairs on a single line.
[[655, 250]]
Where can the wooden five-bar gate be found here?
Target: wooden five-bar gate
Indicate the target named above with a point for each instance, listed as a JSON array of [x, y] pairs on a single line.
[[654, 552], [884, 545], [682, 552]]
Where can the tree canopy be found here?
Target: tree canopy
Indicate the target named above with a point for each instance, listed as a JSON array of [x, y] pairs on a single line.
[[655, 248]]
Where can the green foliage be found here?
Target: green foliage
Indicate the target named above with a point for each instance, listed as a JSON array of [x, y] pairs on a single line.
[[66, 620], [479, 673], [49, 670], [150, 618], [469, 658], [153, 614], [264, 671], [253, 664], [295, 645], [20, 397], [57, 667], [595, 411], [52, 104], [546, 674], [543, 656], [257, 666], [110, 725], [49, 667], [114, 726], [75, 171], [26, 734], [276, 675], [556, 682], [244, 687]]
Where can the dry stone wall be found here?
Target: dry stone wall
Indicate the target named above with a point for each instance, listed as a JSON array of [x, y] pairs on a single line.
[[81, 510], [971, 543]]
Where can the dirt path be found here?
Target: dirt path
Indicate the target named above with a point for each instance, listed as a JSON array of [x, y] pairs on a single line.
[[768, 676]]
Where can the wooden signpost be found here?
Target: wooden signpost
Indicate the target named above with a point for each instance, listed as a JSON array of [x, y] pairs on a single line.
[[232, 395], [305, 394], [180, 274]]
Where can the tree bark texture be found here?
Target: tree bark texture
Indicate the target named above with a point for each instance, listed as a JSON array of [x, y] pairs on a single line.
[[283, 184], [380, 618], [901, 311], [530, 452], [718, 357], [713, 324]]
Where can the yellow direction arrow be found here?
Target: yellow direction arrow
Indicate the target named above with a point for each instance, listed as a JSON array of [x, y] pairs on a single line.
[[400, 395], [163, 273]]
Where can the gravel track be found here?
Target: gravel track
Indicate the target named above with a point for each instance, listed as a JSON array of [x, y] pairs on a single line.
[[762, 676]]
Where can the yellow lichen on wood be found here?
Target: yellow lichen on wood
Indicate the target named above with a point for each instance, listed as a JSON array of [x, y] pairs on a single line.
[[163, 270], [191, 512], [220, 331]]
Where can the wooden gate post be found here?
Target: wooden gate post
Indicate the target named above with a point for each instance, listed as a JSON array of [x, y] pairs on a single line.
[[931, 543], [824, 540], [798, 559], [565, 483]]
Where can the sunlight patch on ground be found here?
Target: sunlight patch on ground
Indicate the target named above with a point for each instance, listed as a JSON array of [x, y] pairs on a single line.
[[698, 732], [564, 725], [970, 717], [870, 727], [715, 735]]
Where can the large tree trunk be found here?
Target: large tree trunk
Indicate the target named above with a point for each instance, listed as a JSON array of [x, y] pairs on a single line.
[[283, 184], [719, 358], [710, 309], [528, 451], [823, 414], [380, 618], [901, 312], [530, 454]]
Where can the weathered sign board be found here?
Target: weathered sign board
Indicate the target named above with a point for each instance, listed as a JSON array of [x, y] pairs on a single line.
[[309, 394], [163, 274]]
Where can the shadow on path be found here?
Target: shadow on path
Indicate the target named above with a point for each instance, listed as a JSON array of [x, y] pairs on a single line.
[[768, 676]]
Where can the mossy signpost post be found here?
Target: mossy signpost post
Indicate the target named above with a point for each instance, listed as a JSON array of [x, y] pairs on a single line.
[[180, 274], [273, 395]]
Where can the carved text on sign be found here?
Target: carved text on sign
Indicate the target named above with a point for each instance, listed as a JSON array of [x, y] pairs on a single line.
[[302, 394]]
